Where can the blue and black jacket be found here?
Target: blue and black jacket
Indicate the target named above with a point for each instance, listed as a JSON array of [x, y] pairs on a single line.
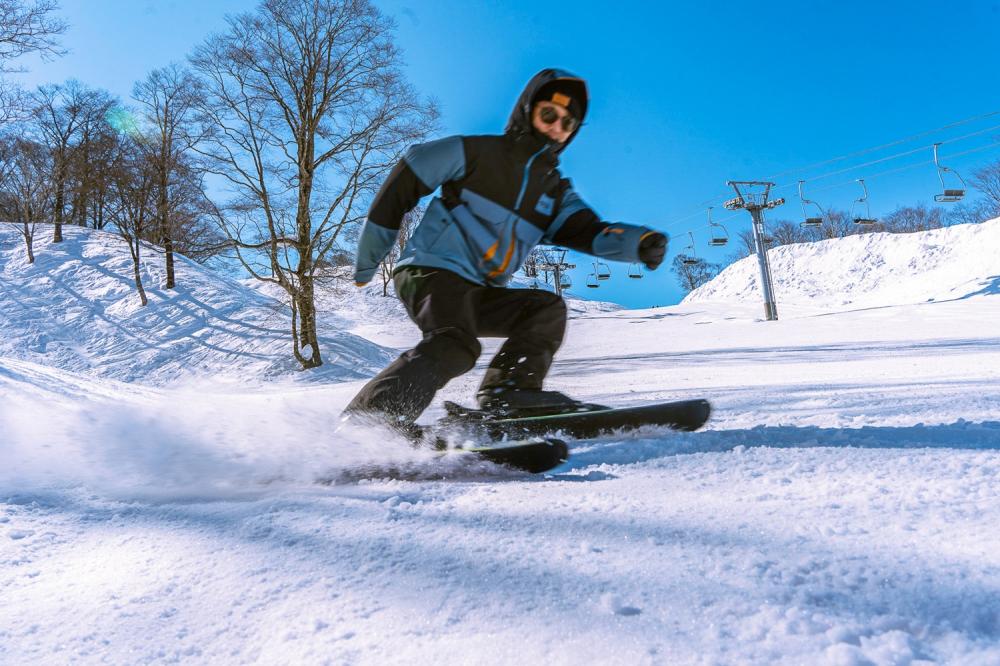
[[501, 195]]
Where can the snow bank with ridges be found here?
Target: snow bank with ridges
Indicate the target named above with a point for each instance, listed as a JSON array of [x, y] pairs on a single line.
[[870, 270], [76, 308]]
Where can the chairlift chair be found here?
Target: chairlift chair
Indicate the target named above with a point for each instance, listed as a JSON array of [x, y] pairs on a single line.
[[947, 195], [635, 271], [719, 235], [592, 281], [867, 218], [564, 281], [689, 257], [601, 270], [806, 220]]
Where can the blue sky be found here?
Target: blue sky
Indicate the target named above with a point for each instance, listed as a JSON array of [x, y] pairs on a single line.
[[685, 95]]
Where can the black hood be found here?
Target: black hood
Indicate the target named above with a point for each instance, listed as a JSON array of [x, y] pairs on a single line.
[[520, 117]]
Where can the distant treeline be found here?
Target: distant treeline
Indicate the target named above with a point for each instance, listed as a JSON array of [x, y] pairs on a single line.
[[266, 147]]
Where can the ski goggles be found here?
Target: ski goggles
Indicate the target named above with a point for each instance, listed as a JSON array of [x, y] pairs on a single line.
[[549, 115]]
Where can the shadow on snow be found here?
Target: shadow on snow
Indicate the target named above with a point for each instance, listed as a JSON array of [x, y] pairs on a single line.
[[637, 448]]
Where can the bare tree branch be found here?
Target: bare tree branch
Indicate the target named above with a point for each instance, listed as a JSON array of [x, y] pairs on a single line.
[[306, 111], [29, 26]]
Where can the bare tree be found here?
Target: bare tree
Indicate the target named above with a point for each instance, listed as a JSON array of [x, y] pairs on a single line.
[[838, 224], [8, 202], [12, 103], [906, 219], [692, 272], [28, 180], [745, 245], [532, 261], [60, 113], [29, 27], [132, 203], [192, 216], [308, 111], [95, 142], [25, 27], [987, 180], [406, 227], [95, 183], [786, 233], [167, 98], [974, 212]]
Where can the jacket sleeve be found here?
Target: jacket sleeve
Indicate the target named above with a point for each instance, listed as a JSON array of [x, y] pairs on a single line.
[[423, 169], [577, 227]]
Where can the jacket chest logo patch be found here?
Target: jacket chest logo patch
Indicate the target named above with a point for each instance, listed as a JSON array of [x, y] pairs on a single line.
[[544, 205]]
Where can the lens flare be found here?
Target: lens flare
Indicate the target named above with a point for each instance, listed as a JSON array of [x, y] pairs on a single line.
[[122, 121]]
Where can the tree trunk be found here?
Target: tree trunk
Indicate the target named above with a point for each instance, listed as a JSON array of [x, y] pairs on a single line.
[[166, 238], [138, 275], [305, 309], [58, 211], [168, 248], [306, 295], [99, 222], [80, 209], [28, 238]]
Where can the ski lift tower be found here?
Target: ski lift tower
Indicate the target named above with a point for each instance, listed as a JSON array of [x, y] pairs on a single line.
[[555, 263], [755, 202]]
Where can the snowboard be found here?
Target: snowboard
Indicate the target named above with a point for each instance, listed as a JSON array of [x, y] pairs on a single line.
[[536, 455], [529, 453], [587, 420]]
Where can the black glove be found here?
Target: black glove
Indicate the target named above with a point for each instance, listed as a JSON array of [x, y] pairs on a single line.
[[652, 249]]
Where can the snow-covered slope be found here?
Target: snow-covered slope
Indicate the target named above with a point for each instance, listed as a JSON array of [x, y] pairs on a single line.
[[840, 508], [76, 308], [870, 270]]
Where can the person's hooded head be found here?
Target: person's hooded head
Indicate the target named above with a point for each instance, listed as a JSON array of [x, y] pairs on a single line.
[[551, 107]]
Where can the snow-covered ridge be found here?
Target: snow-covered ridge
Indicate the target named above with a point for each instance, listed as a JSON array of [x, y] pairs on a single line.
[[76, 309], [871, 270]]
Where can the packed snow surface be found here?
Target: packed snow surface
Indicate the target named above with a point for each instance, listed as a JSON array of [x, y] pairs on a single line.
[[840, 508]]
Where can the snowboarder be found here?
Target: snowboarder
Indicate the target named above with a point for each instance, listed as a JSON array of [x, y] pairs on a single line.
[[501, 195]]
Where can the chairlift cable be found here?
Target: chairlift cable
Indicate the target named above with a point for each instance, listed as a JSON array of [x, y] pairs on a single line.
[[887, 158], [874, 176], [885, 145], [958, 123], [679, 220], [865, 151], [908, 166]]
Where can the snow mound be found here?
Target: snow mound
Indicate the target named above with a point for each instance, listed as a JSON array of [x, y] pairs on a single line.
[[76, 309], [871, 270]]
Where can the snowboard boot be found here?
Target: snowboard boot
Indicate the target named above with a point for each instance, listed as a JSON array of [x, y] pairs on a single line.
[[506, 402]]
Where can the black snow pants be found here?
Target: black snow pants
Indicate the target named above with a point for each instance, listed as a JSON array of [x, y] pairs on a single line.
[[452, 313]]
